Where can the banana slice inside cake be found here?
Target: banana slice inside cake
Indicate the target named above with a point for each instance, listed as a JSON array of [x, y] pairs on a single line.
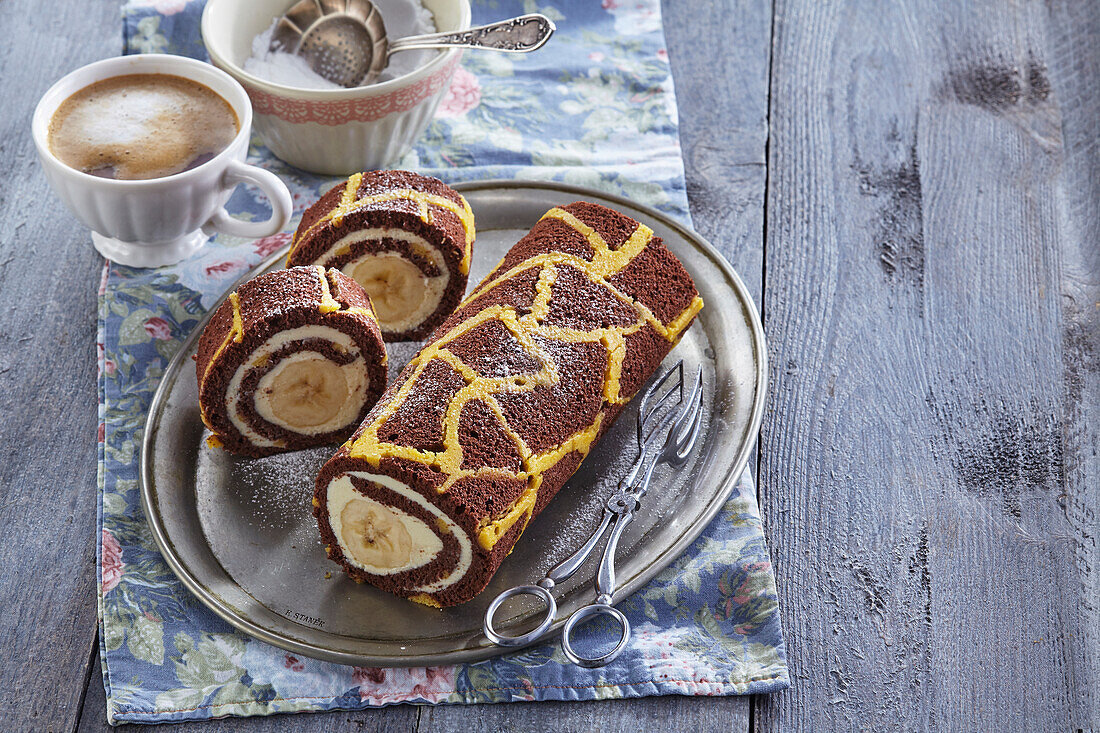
[[405, 238], [402, 295], [376, 536], [292, 359], [309, 393]]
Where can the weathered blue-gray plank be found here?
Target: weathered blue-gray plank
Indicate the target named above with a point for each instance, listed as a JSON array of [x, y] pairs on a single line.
[[720, 54], [931, 359], [698, 715], [1073, 34], [48, 276]]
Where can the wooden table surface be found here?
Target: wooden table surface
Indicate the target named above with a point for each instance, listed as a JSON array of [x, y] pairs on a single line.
[[912, 192]]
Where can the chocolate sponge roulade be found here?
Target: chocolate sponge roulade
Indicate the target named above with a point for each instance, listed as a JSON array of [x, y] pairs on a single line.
[[292, 359], [492, 417], [404, 237]]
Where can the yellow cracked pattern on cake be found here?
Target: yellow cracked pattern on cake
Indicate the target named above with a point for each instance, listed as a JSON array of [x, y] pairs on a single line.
[[236, 330], [349, 204], [604, 264]]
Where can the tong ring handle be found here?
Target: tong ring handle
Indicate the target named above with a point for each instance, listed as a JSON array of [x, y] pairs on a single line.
[[596, 609], [531, 636]]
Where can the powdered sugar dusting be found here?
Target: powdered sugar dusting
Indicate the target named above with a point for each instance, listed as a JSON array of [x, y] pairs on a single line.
[[401, 353], [283, 68], [271, 495], [401, 17]]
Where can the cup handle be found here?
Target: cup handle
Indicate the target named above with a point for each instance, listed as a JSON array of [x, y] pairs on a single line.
[[276, 191]]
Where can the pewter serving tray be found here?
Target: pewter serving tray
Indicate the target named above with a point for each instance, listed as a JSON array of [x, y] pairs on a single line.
[[239, 533]]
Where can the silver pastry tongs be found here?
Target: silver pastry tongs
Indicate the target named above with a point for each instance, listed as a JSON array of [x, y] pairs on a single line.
[[671, 418]]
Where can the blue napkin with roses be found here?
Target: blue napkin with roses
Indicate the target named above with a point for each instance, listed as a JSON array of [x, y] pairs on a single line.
[[594, 107]]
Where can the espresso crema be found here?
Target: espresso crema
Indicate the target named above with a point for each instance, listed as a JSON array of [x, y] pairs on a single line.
[[141, 126]]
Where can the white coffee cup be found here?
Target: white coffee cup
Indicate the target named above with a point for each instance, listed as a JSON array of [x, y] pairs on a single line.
[[160, 221]]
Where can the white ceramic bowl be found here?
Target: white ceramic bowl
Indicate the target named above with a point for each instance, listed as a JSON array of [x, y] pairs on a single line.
[[332, 131]]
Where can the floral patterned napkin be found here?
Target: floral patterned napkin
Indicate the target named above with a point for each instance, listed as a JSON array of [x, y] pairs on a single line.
[[594, 107]]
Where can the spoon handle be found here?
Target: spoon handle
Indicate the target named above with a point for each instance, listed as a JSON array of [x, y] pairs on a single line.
[[518, 35]]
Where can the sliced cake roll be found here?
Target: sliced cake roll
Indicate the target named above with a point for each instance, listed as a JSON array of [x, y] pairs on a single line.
[[492, 417], [404, 237], [292, 359]]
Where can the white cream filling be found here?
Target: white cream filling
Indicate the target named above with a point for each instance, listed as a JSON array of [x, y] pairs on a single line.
[[434, 287], [262, 353], [426, 543], [355, 378]]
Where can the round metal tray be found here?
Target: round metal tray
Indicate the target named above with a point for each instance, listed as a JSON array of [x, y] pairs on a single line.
[[239, 533]]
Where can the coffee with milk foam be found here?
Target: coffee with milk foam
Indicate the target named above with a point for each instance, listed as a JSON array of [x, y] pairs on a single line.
[[141, 126]]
